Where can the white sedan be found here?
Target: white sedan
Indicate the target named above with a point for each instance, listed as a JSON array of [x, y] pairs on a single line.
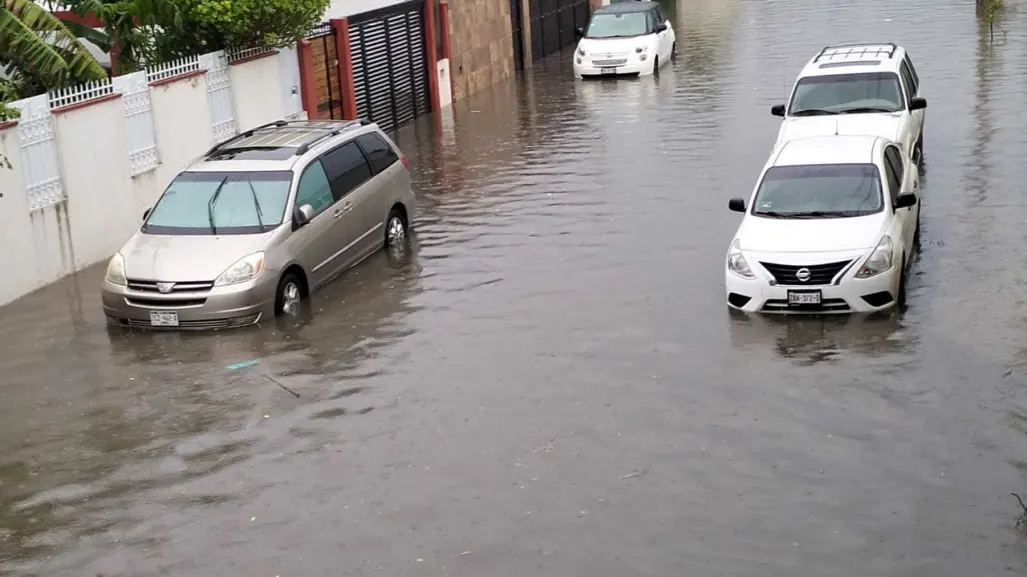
[[831, 227]]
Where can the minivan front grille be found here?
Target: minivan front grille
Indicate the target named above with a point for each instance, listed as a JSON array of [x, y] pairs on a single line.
[[178, 287], [819, 274]]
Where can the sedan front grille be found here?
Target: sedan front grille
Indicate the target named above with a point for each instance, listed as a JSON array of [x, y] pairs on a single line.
[[613, 62], [178, 287], [819, 274]]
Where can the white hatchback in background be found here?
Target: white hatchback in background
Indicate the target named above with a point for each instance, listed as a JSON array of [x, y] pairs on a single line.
[[869, 89], [625, 39], [831, 227]]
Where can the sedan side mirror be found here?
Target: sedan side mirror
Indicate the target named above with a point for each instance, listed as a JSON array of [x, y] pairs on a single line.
[[146, 214], [303, 215], [778, 110], [905, 200], [917, 103], [579, 32], [661, 27], [736, 205]]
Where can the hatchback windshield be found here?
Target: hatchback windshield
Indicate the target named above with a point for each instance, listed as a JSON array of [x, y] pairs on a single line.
[[618, 25], [819, 191], [221, 203], [847, 94]]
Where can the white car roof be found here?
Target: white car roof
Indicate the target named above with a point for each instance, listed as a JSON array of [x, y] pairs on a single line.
[[827, 150], [855, 59]]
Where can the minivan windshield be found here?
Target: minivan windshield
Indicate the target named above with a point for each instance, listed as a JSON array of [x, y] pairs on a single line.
[[208, 203], [847, 94], [625, 25], [819, 191]]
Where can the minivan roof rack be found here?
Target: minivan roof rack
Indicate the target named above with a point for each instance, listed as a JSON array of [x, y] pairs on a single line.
[[318, 129], [863, 49]]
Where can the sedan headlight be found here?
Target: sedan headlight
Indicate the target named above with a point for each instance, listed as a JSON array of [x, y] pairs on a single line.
[[116, 270], [736, 262], [245, 269], [581, 51], [880, 259]]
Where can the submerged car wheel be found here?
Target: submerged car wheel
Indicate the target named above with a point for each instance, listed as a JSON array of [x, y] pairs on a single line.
[[674, 52], [396, 230], [656, 66], [900, 300], [289, 296], [918, 149]]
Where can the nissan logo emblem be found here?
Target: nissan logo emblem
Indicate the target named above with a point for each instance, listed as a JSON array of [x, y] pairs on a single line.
[[802, 274]]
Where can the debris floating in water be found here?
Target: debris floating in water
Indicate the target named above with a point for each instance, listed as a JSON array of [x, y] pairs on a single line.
[[244, 364]]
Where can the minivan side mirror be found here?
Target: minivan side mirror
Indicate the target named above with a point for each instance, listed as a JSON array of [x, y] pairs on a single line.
[[579, 32], [303, 215], [736, 205], [905, 200], [661, 27], [777, 110], [146, 213], [917, 103]]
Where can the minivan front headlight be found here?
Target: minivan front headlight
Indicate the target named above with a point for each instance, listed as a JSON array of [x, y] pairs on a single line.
[[736, 262], [880, 259], [245, 269], [116, 270]]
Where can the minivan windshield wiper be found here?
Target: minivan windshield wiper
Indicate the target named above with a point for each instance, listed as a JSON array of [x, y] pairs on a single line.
[[256, 206], [814, 112], [865, 109], [210, 205]]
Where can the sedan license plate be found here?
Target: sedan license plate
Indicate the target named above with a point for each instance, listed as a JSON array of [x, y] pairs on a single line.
[[608, 70], [163, 319], [803, 298]]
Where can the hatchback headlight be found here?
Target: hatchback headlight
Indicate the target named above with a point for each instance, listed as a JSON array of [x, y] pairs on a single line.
[[641, 49], [880, 259], [116, 270], [581, 51], [736, 262], [245, 269]]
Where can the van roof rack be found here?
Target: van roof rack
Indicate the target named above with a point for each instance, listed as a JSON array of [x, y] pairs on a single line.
[[859, 50], [301, 134]]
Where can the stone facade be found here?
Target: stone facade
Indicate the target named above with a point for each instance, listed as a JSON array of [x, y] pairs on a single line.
[[481, 44]]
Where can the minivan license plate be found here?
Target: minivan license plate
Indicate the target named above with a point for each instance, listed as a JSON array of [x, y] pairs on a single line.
[[163, 319], [803, 298], [608, 70]]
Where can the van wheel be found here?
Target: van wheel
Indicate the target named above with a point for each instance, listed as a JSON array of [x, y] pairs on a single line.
[[918, 149], [395, 230], [289, 295]]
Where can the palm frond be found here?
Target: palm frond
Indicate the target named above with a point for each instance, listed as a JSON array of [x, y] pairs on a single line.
[[36, 39]]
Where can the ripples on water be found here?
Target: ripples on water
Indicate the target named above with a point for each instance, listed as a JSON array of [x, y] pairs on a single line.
[[551, 384]]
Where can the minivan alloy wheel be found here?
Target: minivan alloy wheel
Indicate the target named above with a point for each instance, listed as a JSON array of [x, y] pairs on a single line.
[[396, 231], [290, 294]]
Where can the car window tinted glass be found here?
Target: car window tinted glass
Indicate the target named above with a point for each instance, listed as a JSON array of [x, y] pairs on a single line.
[[378, 151], [314, 188], [245, 203], [912, 71], [618, 25], [347, 169], [844, 93], [819, 191], [895, 172], [907, 79]]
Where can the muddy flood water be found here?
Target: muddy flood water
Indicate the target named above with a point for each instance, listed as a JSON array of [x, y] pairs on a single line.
[[551, 384]]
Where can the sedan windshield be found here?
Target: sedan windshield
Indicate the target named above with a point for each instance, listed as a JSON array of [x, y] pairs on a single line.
[[847, 94], [618, 25], [819, 191], [221, 203]]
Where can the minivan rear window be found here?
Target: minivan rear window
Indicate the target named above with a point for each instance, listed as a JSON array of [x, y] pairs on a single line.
[[208, 203]]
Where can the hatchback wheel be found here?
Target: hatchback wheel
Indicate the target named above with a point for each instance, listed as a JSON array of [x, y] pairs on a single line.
[[290, 294], [395, 230], [656, 66]]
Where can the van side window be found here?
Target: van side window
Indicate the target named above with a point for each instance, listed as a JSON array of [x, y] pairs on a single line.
[[378, 151], [347, 169], [895, 170], [314, 189], [907, 80], [912, 72]]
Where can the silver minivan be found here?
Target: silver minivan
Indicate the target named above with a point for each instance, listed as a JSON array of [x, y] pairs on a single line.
[[258, 223]]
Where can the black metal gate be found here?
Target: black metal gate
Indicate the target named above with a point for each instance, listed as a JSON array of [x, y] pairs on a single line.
[[518, 36], [553, 23], [326, 72], [390, 67]]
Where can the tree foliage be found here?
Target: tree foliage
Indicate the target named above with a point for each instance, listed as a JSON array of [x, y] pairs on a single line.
[[35, 44], [209, 25]]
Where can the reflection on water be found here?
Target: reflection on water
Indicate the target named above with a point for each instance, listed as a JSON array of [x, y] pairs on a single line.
[[551, 383]]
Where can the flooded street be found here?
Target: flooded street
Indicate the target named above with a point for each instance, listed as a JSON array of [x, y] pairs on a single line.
[[552, 384]]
